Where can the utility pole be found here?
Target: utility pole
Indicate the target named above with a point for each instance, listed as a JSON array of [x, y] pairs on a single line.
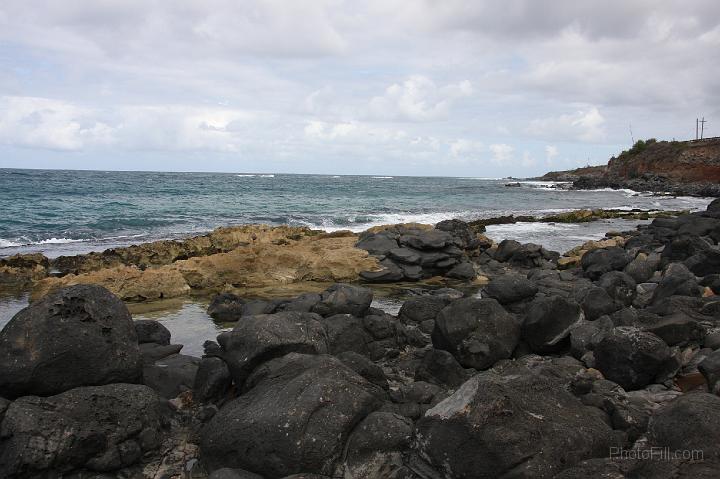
[[631, 135], [702, 127], [696, 128]]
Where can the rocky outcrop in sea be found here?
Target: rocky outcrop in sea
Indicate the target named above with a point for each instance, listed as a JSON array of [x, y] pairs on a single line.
[[588, 365]]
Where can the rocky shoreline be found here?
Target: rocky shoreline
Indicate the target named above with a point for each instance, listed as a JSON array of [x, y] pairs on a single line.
[[681, 168], [558, 366]]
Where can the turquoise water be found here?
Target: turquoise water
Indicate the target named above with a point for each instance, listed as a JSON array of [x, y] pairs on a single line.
[[69, 212]]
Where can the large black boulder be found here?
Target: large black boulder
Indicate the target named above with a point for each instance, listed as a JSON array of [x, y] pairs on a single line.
[[150, 331], [710, 369], [460, 230], [548, 323], [377, 444], [295, 417], [422, 308], [478, 332], [688, 423], [676, 280], [595, 302], [343, 298], [619, 286], [259, 338], [171, 375], [510, 288], [704, 263], [441, 368], [684, 246], [212, 380], [100, 428], [599, 261], [631, 357], [520, 425], [78, 336]]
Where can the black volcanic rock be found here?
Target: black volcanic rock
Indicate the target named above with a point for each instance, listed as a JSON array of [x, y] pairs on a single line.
[[100, 428], [78, 336], [631, 357], [478, 332]]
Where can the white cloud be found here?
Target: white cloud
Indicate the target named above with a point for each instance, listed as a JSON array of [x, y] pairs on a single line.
[[52, 124], [582, 125], [551, 152], [464, 147], [337, 81], [59, 125], [417, 98], [501, 153]]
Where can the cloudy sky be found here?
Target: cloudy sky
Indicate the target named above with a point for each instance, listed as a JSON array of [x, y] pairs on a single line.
[[422, 87]]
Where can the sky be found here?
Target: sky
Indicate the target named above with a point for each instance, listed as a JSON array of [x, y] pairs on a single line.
[[425, 87]]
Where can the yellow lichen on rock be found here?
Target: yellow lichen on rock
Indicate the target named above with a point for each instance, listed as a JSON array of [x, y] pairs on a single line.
[[129, 283], [270, 256]]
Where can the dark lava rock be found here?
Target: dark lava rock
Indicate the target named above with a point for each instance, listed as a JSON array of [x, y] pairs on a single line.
[[364, 367], [478, 332], [389, 273], [259, 306], [346, 333], [295, 417], [688, 423], [682, 247], [100, 428], [226, 307], [460, 230], [343, 298], [595, 302], [676, 280], [599, 261], [259, 338], [631, 357], [405, 255], [519, 425], [441, 368], [619, 286], [548, 323], [212, 380], [301, 304], [422, 308], [505, 250], [172, 375], [78, 336], [377, 444], [427, 239], [704, 263], [643, 267], [585, 335], [378, 244], [710, 369], [510, 288], [149, 331], [464, 271], [227, 473], [152, 352]]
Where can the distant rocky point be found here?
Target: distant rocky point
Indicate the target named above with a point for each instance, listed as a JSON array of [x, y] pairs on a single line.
[[678, 167]]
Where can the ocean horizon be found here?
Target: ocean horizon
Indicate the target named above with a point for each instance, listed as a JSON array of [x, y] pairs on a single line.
[[64, 212]]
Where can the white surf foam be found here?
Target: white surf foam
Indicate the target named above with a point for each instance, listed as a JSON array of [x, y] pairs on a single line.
[[8, 244]]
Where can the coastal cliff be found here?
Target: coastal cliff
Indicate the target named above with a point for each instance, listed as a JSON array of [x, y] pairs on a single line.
[[678, 167]]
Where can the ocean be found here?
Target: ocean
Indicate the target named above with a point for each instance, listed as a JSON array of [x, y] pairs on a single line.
[[60, 212], [73, 212]]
